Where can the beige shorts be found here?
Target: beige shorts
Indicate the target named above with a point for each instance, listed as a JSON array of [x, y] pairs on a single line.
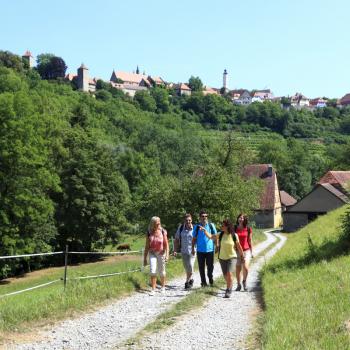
[[247, 257]]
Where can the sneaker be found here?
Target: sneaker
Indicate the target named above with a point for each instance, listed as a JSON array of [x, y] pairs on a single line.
[[228, 293], [151, 293], [245, 286], [190, 282], [187, 285], [162, 290], [204, 284], [211, 282], [238, 288]]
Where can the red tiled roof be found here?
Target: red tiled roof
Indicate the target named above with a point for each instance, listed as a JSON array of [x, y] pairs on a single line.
[[27, 54], [267, 199], [339, 179], [286, 199], [131, 77], [182, 86]]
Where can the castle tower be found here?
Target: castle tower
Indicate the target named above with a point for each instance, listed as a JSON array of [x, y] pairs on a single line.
[[224, 80], [29, 59], [83, 78]]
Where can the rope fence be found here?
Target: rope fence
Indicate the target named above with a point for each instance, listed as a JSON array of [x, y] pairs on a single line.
[[65, 278]]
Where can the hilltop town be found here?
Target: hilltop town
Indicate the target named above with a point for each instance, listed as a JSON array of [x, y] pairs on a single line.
[[135, 81]]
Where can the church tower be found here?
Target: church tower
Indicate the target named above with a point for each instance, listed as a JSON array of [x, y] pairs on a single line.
[[224, 80], [83, 78], [29, 59]]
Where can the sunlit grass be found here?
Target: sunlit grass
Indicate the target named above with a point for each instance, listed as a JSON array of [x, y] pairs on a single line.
[[306, 290]]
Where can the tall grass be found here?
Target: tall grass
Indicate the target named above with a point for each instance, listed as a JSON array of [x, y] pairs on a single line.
[[306, 289]]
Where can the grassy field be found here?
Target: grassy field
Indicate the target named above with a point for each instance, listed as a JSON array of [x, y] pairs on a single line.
[[53, 303], [306, 290]]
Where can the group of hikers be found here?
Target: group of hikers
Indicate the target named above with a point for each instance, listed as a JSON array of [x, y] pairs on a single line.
[[232, 242]]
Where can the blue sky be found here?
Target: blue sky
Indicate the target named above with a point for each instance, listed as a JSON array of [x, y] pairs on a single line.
[[287, 46]]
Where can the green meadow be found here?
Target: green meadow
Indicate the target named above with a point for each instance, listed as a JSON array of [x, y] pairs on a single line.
[[306, 288]]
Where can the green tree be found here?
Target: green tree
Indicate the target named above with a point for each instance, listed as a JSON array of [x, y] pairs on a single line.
[[195, 84], [50, 66], [10, 60], [145, 101]]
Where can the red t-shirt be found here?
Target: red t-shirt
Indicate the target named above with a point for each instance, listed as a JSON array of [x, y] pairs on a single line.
[[243, 237]]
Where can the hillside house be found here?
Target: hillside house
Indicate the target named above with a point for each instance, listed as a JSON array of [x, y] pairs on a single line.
[[269, 213], [318, 103], [299, 101], [345, 100], [209, 91], [182, 89], [241, 97], [286, 200], [330, 192], [262, 95]]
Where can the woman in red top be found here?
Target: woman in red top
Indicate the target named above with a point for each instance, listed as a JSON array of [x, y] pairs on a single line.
[[157, 248], [244, 233]]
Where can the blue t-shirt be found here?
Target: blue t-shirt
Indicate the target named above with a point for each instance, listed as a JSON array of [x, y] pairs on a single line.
[[204, 244]]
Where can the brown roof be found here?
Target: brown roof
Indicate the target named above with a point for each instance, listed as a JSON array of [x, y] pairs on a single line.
[[27, 54], [208, 90], [286, 199], [131, 77], [182, 86], [339, 179], [345, 100], [267, 199]]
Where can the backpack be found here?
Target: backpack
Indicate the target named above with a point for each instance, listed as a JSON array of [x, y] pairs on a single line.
[[211, 228], [181, 227]]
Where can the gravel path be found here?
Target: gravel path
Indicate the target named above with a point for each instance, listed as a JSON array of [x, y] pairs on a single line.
[[112, 325], [220, 324]]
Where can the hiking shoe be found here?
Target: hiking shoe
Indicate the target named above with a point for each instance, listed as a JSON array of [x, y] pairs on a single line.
[[238, 288], [162, 290], [228, 293], [245, 286], [204, 284], [187, 285], [190, 282], [211, 282], [151, 293]]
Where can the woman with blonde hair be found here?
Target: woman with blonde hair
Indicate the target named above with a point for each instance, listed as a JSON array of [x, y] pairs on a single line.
[[157, 248]]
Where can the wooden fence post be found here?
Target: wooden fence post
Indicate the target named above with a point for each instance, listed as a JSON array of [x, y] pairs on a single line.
[[65, 267], [142, 267]]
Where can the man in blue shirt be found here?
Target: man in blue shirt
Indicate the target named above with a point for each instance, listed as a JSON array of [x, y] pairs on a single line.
[[204, 236]]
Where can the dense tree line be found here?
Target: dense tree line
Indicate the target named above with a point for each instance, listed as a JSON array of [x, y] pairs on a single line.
[[81, 169]]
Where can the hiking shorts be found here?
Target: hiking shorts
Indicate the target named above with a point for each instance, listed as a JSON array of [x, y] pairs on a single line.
[[247, 257], [157, 261], [226, 265], [188, 262]]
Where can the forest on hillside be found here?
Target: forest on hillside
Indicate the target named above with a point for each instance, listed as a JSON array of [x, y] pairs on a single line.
[[82, 169]]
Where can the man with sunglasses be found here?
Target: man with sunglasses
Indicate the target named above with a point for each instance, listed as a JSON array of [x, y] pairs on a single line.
[[183, 243], [204, 237]]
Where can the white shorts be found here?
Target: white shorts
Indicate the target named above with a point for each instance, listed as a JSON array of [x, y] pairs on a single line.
[[157, 260], [247, 257]]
